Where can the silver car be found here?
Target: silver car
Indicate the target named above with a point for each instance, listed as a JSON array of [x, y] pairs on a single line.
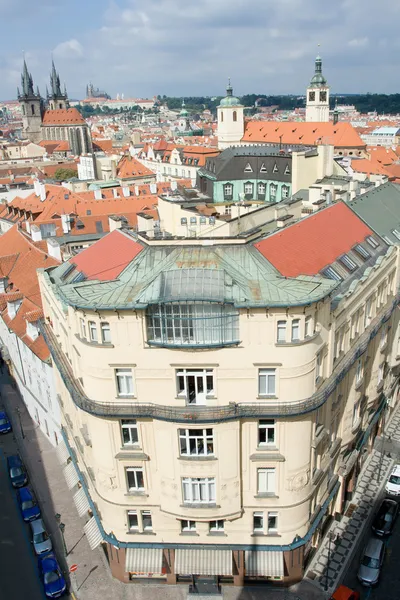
[[371, 562], [40, 538]]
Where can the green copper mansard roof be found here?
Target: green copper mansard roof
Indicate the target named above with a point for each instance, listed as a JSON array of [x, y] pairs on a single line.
[[230, 99], [318, 79]]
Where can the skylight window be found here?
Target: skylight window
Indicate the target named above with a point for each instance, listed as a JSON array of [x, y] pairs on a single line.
[[361, 251], [248, 168], [331, 274], [263, 168], [275, 169], [396, 233], [372, 241], [348, 262]]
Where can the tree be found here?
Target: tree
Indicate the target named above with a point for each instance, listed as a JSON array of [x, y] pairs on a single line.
[[64, 174]]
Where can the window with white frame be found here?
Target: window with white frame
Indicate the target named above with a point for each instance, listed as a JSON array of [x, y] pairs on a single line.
[[272, 523], [248, 189], [124, 379], [319, 365], [196, 442], [133, 521], [217, 526], [195, 385], [266, 432], [354, 325], [356, 413], [359, 371], [105, 332], [381, 372], [83, 329], [258, 522], [135, 479], [384, 337], [198, 490], [348, 262], [261, 190], [295, 330], [228, 191], [266, 480], [372, 242], [129, 429], [92, 331], [281, 331], [368, 311], [147, 523], [308, 326], [187, 525], [266, 382], [285, 191], [273, 191]]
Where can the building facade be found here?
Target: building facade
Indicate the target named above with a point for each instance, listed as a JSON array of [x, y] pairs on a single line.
[[217, 397]]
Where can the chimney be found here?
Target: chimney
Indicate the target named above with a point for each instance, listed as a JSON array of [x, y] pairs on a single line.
[[153, 188], [42, 192], [115, 192], [113, 169], [36, 234], [174, 186], [53, 248], [97, 195], [114, 222], [136, 190], [36, 186], [66, 223], [126, 192]]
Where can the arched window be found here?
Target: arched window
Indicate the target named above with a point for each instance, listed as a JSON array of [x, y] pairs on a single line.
[[222, 117], [33, 109], [235, 115], [60, 105]]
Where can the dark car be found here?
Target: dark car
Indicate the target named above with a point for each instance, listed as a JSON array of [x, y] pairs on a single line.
[[5, 424], [17, 471], [50, 572], [385, 517], [28, 505]]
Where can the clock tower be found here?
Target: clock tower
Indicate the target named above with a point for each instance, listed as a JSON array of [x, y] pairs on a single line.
[[317, 103]]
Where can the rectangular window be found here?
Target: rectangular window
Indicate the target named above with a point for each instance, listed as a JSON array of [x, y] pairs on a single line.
[[129, 429], [381, 371], [216, 526], [372, 241], [384, 337], [261, 189], [272, 522], [188, 525], [195, 385], [307, 327], [281, 331], [248, 189], [272, 191], [356, 413], [331, 274], [196, 442], [92, 331], [285, 191], [228, 191], [83, 329], [266, 432], [124, 379], [359, 371], [361, 251], [266, 382], [135, 478], [105, 333], [368, 312], [198, 490], [147, 523], [295, 330], [258, 522], [354, 326], [319, 371], [266, 480], [348, 262], [133, 523]]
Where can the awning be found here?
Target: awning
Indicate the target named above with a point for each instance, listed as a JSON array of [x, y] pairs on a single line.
[[62, 452], [143, 560], [81, 502], [203, 562], [93, 533], [264, 563], [71, 475]]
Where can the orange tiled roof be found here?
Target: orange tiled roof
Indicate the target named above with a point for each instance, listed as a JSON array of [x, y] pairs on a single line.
[[129, 167], [370, 167], [386, 156], [34, 315], [50, 170], [341, 135], [63, 116], [55, 146]]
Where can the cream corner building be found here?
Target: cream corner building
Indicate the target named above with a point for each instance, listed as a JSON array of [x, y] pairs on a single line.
[[216, 412]]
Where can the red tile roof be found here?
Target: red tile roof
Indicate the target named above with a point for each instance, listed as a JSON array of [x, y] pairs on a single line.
[[341, 135], [315, 242], [63, 116], [370, 167], [108, 257], [129, 168]]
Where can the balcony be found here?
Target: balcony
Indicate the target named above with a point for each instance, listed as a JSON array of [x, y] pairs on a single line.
[[203, 414]]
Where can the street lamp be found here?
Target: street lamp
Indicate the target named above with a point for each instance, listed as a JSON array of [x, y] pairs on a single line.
[[62, 528], [332, 536], [20, 422]]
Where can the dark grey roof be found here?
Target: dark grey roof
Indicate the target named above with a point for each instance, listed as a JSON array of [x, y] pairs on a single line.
[[380, 209], [253, 150]]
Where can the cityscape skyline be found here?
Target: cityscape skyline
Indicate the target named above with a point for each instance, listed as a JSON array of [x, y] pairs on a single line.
[[166, 47]]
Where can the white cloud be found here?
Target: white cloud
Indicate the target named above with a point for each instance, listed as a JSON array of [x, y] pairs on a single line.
[[68, 50], [358, 42]]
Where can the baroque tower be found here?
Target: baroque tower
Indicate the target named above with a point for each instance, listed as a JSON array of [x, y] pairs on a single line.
[[56, 98], [32, 107], [230, 120], [317, 104]]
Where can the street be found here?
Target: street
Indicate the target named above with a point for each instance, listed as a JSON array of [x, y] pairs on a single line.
[[388, 587]]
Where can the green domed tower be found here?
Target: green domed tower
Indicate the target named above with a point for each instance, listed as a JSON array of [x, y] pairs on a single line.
[[317, 105], [230, 120]]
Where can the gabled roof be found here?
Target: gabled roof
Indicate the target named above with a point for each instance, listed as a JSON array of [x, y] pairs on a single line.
[[108, 257], [63, 116], [310, 245], [129, 168], [340, 135], [380, 209]]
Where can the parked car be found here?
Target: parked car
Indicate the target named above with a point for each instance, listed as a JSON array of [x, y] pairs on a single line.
[[17, 471], [385, 518], [345, 593], [28, 505], [371, 562], [5, 423], [51, 575], [393, 483], [40, 538]]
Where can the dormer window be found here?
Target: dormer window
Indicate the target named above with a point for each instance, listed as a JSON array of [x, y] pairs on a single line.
[[3, 284], [248, 168], [32, 330], [13, 308], [275, 169]]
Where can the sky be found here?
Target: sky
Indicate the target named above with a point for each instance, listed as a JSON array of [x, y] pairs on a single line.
[[143, 48]]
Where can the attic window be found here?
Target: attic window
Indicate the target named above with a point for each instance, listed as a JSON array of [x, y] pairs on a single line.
[[361, 251], [275, 169], [331, 274], [396, 233], [348, 262], [372, 241], [66, 196], [88, 212], [287, 170], [99, 227], [80, 224], [248, 168], [263, 168]]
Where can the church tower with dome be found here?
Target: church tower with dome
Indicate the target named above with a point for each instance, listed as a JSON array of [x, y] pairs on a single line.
[[230, 120], [317, 103]]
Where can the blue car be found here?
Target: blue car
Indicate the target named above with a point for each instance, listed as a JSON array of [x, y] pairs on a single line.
[[28, 505], [16, 471], [5, 424], [50, 572]]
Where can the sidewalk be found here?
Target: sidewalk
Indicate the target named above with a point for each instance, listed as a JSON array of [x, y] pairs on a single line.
[[356, 518]]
